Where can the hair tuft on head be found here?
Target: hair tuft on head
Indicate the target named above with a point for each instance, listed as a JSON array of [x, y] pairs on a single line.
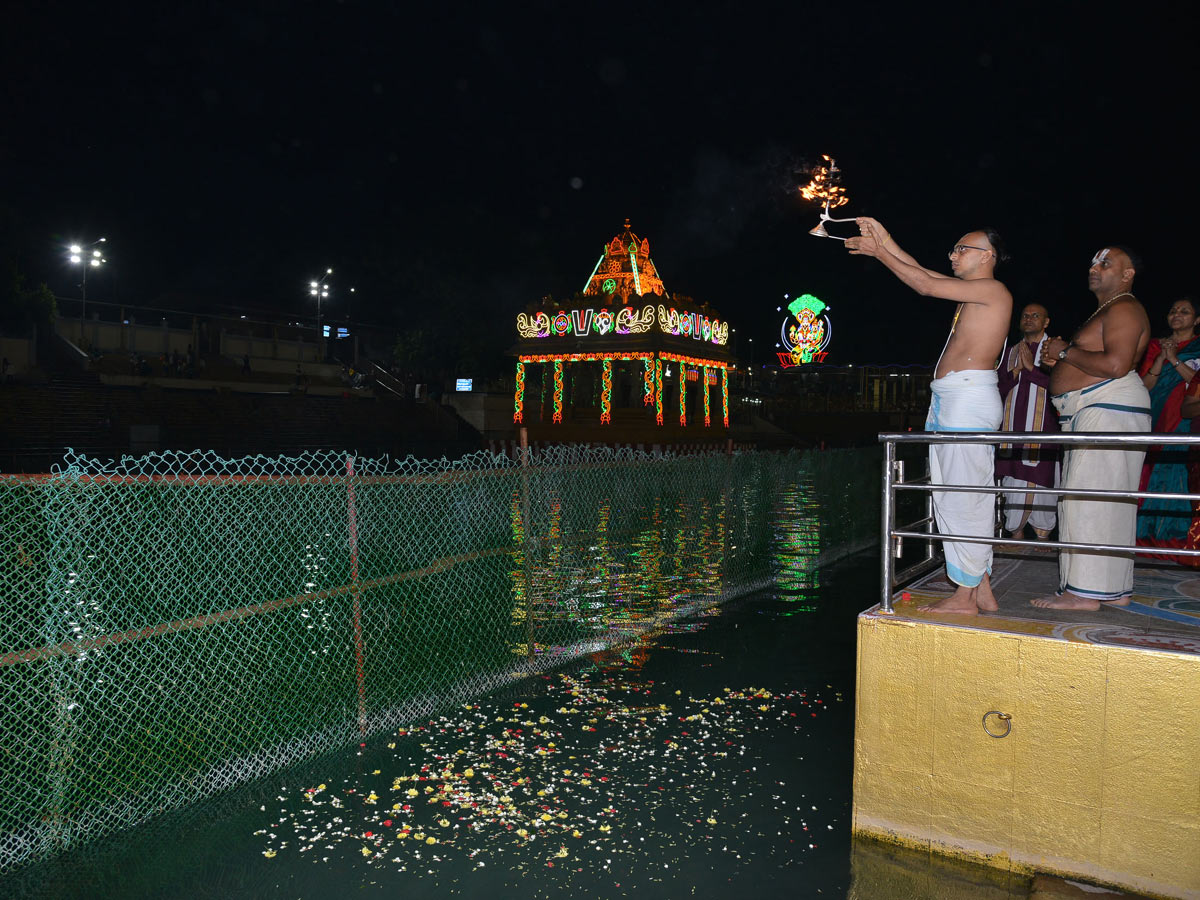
[[997, 243]]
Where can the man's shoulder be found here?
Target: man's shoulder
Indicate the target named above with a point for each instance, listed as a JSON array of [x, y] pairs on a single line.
[[1126, 308], [999, 287], [990, 291]]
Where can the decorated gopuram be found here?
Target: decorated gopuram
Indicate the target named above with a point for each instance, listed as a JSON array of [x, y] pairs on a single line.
[[623, 360]]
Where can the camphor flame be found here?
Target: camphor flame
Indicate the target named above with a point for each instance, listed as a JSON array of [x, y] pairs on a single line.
[[826, 185]]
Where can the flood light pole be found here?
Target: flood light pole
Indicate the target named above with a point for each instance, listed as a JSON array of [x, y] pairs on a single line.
[[320, 290], [95, 260]]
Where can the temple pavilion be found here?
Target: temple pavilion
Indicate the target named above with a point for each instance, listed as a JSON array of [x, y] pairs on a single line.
[[623, 359]]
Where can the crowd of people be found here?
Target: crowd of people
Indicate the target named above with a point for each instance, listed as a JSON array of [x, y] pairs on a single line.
[[1110, 376]]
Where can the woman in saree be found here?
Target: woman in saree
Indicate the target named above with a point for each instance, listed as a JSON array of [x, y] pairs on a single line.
[[1169, 367]]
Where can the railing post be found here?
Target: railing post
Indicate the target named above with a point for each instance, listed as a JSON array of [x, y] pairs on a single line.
[[889, 517], [931, 525]]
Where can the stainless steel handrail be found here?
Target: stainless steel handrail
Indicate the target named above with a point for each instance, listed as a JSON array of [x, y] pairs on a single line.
[[1073, 492], [893, 480], [1036, 437]]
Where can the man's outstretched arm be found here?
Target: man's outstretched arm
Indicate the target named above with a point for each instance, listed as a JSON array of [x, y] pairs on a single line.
[[985, 291], [873, 228]]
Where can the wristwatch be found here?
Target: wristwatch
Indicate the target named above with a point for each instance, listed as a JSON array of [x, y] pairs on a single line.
[[1062, 354]]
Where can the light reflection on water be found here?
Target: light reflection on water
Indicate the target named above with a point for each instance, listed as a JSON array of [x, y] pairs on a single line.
[[637, 564], [797, 545]]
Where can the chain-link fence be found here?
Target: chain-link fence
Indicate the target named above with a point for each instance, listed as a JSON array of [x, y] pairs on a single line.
[[180, 623]]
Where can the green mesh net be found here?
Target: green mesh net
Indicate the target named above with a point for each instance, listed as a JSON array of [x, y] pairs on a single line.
[[180, 623]]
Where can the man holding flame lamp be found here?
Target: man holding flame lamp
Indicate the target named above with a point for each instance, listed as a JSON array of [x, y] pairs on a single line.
[[965, 395]]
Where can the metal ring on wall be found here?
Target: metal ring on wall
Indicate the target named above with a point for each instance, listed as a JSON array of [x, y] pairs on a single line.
[[1007, 723]]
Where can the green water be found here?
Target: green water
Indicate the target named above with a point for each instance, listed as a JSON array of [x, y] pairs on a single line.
[[711, 758]]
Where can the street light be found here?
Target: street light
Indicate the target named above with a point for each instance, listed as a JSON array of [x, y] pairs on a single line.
[[95, 260], [320, 290]]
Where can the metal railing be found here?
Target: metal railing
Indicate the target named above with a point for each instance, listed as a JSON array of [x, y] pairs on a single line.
[[894, 480]]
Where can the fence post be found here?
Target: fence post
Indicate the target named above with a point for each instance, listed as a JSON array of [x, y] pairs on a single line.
[[525, 518], [352, 513]]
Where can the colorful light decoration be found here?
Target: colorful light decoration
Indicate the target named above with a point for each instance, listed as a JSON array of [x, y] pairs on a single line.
[[652, 376], [594, 271], [581, 357], [692, 324], [682, 396], [583, 323], [658, 410], [806, 333], [693, 360], [606, 392], [725, 395], [558, 391], [625, 270], [519, 400], [602, 322]]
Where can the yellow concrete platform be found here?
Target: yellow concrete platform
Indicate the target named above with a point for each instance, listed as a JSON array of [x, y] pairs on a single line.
[[1099, 776]]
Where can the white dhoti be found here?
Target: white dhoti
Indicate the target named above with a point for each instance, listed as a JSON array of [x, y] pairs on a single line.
[[964, 401], [1039, 510], [1119, 404]]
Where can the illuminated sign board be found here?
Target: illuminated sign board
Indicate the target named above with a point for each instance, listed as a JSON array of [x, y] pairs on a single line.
[[805, 333], [627, 320], [464, 384]]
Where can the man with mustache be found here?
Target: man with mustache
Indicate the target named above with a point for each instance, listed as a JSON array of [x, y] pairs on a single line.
[[1095, 387]]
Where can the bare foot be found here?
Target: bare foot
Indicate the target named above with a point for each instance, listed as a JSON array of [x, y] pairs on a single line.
[[1120, 601], [1066, 600], [961, 601], [984, 598]]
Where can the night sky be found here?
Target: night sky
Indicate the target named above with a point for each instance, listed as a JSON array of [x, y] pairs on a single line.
[[456, 161]]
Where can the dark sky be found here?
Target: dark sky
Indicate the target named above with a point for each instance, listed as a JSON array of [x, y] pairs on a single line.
[[457, 160]]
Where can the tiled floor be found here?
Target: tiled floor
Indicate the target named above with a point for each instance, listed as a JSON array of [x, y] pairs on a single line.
[[1164, 614]]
